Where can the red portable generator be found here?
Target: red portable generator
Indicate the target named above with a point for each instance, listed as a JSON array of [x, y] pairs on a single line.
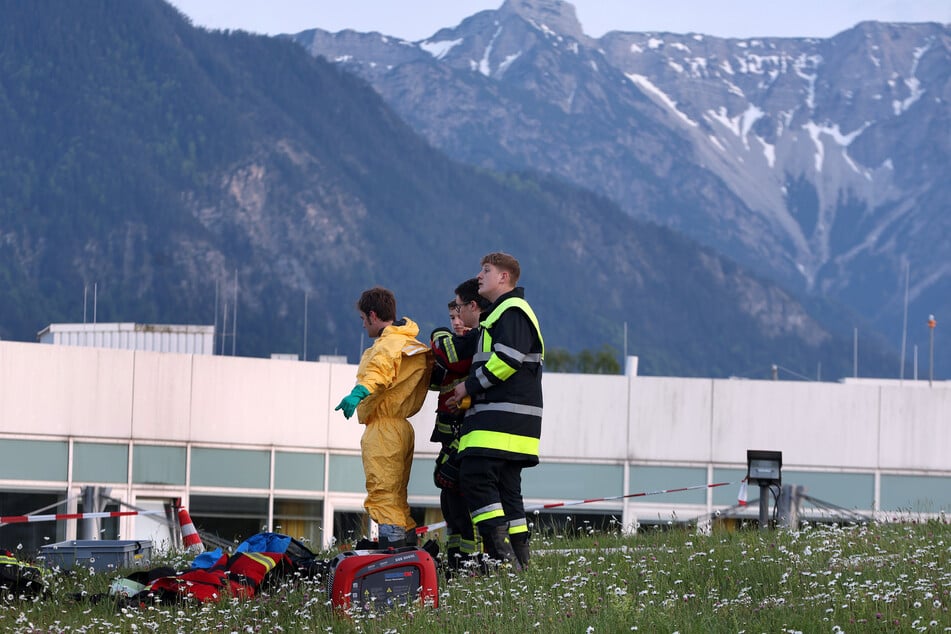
[[380, 579]]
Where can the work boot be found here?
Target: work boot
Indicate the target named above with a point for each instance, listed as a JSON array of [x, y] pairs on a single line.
[[498, 546], [520, 546]]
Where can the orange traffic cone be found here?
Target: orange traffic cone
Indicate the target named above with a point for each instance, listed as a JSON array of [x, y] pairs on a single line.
[[190, 537]]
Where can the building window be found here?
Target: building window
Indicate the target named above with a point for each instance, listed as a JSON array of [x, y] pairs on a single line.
[[153, 464], [235, 468], [300, 519], [33, 460], [231, 519], [26, 538], [100, 462]]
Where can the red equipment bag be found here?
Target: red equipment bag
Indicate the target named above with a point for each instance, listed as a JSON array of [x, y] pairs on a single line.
[[379, 579]]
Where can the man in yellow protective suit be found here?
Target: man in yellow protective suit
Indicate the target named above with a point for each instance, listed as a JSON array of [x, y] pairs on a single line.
[[392, 381]]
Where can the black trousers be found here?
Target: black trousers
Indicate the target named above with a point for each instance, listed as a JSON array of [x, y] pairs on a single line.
[[456, 513], [486, 481]]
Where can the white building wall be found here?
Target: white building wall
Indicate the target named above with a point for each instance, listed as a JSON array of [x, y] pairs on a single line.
[[915, 432], [63, 391], [815, 424], [82, 393], [670, 419], [587, 424], [105, 393]]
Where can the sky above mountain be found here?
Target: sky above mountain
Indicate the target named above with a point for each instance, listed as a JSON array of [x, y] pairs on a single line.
[[418, 19]]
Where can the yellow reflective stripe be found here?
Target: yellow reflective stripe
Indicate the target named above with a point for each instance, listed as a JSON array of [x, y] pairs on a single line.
[[264, 560], [515, 530], [524, 307], [499, 368], [444, 340], [487, 515], [500, 441]]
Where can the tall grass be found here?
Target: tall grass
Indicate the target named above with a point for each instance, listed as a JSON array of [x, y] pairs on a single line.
[[882, 577]]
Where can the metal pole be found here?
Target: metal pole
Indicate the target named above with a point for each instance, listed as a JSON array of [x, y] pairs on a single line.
[[855, 353], [625, 343], [305, 327], [904, 327], [931, 324], [234, 315], [763, 507], [214, 340]]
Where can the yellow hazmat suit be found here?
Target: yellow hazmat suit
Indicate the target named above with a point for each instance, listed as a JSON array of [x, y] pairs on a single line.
[[395, 370]]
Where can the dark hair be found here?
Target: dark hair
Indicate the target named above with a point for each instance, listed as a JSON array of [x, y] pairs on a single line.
[[468, 291], [380, 300], [505, 262]]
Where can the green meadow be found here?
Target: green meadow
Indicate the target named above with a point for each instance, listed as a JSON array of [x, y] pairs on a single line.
[[877, 577]]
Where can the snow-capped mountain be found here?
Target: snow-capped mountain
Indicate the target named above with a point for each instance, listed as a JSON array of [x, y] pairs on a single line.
[[820, 162]]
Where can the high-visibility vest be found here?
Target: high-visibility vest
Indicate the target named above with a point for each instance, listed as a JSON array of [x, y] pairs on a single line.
[[505, 419]]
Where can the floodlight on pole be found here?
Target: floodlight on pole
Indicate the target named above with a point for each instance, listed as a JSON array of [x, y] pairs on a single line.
[[764, 468]]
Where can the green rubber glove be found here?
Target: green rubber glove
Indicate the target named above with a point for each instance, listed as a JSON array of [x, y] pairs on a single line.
[[351, 400]]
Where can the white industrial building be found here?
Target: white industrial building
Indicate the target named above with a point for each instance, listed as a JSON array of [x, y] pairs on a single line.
[[187, 339], [248, 444]]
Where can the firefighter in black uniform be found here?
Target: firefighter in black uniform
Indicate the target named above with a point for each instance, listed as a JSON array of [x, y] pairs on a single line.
[[453, 358], [502, 427]]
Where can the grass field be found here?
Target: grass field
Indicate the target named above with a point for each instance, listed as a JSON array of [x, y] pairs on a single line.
[[880, 577]]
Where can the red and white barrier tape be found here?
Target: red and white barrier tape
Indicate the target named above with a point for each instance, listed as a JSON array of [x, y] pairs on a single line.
[[421, 530], [20, 519]]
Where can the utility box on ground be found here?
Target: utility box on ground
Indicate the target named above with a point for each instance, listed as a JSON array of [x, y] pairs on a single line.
[[100, 554]]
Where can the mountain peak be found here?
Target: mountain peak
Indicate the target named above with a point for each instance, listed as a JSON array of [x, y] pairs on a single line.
[[557, 15]]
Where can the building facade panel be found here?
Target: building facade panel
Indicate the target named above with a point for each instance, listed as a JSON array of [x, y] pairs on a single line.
[[64, 391], [596, 426], [669, 420], [814, 424], [260, 401], [161, 396], [915, 431]]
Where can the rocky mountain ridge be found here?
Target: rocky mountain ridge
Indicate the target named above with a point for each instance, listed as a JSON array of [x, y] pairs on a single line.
[[181, 171], [818, 162]]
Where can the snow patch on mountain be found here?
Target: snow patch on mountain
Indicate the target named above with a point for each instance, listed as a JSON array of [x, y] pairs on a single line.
[[739, 125], [648, 87], [439, 49]]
